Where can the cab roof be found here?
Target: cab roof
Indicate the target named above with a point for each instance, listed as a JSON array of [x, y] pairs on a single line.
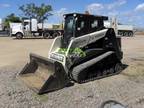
[[87, 15]]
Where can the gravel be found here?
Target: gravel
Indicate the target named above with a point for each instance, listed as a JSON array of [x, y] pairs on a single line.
[[122, 87], [126, 88]]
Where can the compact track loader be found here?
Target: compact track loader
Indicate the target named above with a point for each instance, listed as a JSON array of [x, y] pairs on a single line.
[[86, 51]]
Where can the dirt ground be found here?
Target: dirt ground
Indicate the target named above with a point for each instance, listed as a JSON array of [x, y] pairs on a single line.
[[127, 87], [13, 51], [139, 33]]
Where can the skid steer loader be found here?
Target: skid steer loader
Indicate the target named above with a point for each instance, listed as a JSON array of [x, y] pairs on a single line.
[[86, 51]]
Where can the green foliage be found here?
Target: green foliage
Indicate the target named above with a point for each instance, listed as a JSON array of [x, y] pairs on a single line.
[[62, 50], [79, 52], [76, 52], [41, 12], [11, 18]]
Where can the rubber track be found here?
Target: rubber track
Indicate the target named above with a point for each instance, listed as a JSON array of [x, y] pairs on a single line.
[[99, 77], [77, 69]]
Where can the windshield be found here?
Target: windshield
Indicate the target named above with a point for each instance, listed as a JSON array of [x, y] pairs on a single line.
[[69, 23], [68, 30]]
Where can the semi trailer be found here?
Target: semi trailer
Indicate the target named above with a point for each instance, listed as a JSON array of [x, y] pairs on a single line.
[[31, 27], [121, 30]]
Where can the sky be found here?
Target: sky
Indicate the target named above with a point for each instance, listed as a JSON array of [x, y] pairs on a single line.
[[126, 11]]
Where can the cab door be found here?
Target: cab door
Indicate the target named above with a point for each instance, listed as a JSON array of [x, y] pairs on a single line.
[[82, 27]]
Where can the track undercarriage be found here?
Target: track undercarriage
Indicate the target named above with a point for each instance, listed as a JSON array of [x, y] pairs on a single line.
[[102, 66]]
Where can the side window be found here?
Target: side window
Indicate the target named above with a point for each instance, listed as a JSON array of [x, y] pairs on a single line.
[[82, 24], [82, 27], [93, 25]]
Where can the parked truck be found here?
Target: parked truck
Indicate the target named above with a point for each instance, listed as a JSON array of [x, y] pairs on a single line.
[[1, 24], [120, 29], [31, 27]]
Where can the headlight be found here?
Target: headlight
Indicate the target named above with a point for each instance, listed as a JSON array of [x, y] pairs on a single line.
[[57, 57]]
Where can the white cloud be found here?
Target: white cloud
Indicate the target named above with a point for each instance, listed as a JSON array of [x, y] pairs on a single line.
[[60, 12], [4, 5], [103, 8], [95, 7], [140, 7], [116, 4], [57, 16]]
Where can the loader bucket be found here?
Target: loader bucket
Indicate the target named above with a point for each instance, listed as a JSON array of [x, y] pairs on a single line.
[[43, 75]]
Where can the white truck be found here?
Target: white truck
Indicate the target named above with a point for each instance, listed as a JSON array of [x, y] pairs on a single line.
[[33, 28], [120, 29], [1, 24]]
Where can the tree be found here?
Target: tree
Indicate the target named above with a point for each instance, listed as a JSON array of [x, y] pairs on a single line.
[[11, 18], [41, 12]]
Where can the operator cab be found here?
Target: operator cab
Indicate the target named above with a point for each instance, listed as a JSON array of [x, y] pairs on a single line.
[[77, 25]]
